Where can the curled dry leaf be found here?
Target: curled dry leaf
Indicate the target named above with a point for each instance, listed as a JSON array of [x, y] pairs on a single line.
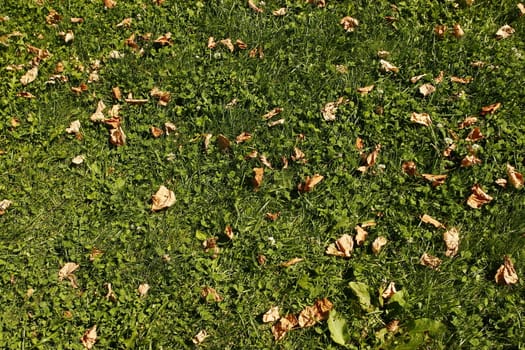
[[421, 118], [77, 20], [126, 23], [156, 132], [79, 89], [78, 159], [388, 67], [207, 139], [468, 121], [284, 325], [257, 180], [504, 32], [67, 270], [440, 30], [451, 238], [164, 198], [430, 261], [210, 294], [228, 231], [359, 144], [370, 159], [276, 122], [392, 326], [279, 12], [298, 155], [490, 109], [228, 43], [272, 216], [110, 295], [426, 89], [164, 97], [435, 179], [199, 337], [74, 127], [501, 182], [143, 289], [243, 137], [4, 205], [210, 245], [264, 161], [310, 183], [272, 113], [342, 247], [378, 244], [439, 78], [506, 273], [430, 220], [169, 127], [110, 3], [223, 143], [164, 40], [291, 262], [117, 136], [461, 80], [254, 7], [135, 101], [349, 24], [474, 135], [458, 31], [89, 338], [521, 8], [409, 168], [515, 178], [271, 315], [261, 259], [29, 76], [383, 54], [470, 160], [389, 291], [211, 43], [53, 17], [365, 90], [361, 235], [25, 94], [241, 44], [478, 197], [416, 78]]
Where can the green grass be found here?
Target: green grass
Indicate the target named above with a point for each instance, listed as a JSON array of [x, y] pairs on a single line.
[[60, 212]]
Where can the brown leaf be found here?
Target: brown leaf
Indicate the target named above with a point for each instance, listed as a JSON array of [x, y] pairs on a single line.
[[200, 337], [298, 155], [29, 76], [490, 109], [257, 180], [79, 89], [67, 270], [430, 220], [310, 315], [389, 291], [228, 231], [117, 136], [76, 20], [25, 94], [272, 216], [451, 238], [284, 325], [264, 161], [276, 122], [135, 101], [501, 182], [206, 142], [342, 247], [291, 262], [164, 198], [228, 43], [409, 168], [164, 40], [211, 43], [383, 54], [143, 289], [254, 7], [243, 137], [416, 78], [110, 3], [223, 143], [426, 89], [89, 338], [440, 30], [365, 90], [372, 157], [95, 253], [388, 67], [349, 24], [468, 121], [361, 235], [461, 80], [163, 96], [78, 159], [474, 135], [272, 113], [210, 245], [156, 132], [458, 31], [279, 12], [359, 144], [439, 78], [309, 183], [319, 3], [378, 244], [4, 205], [421, 118], [210, 294], [515, 178], [470, 160], [271, 315], [126, 23], [478, 197], [429, 260], [74, 127], [240, 44], [506, 273], [504, 32], [435, 179], [393, 326], [521, 8]]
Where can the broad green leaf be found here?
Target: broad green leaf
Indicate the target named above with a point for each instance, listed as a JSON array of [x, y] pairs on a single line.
[[426, 325], [201, 236], [362, 293], [338, 328]]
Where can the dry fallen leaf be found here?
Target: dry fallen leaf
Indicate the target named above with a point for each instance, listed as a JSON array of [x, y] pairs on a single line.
[[349, 24], [241, 44], [110, 3], [228, 231], [451, 238], [78, 159], [461, 80], [490, 109], [429, 260], [470, 160], [392, 326], [421, 118], [89, 338], [370, 159], [265, 161], [409, 168], [29, 76], [515, 178], [210, 245], [258, 174], [117, 136], [126, 23], [98, 116], [458, 31], [164, 40], [365, 90], [506, 273], [291, 262], [310, 315], [521, 8], [478, 197], [243, 137], [440, 30], [501, 182], [164, 198], [199, 337], [169, 127], [378, 244], [163, 96], [211, 43], [361, 235], [504, 32], [210, 294], [383, 54], [272, 113], [426, 89], [439, 78], [342, 247], [156, 132], [276, 122], [416, 78], [309, 183], [279, 12], [143, 289], [4, 205], [298, 155], [271, 315], [74, 127], [430, 220], [284, 325], [272, 216], [389, 291], [135, 101], [254, 7], [474, 135], [67, 270], [468, 121], [76, 20], [388, 67], [228, 43], [223, 143], [435, 179], [25, 94]]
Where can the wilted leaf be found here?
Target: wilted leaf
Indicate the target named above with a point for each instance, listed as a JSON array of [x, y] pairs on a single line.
[[310, 315], [468, 121], [383, 54], [291, 262], [309, 183], [388, 67], [117, 136], [228, 231], [279, 12], [74, 127], [143, 289], [258, 174], [474, 135], [451, 238], [265, 161], [458, 31], [461, 80], [76, 20], [67, 270], [90, 337], [211, 43], [365, 90], [199, 337], [4, 205], [440, 30], [276, 122], [409, 168], [431, 261], [272, 113], [241, 44], [126, 22], [223, 143], [210, 294], [156, 132], [470, 160], [426, 89], [342, 247], [349, 24], [298, 155], [164, 40], [78, 159], [490, 109], [430, 220], [29, 76], [504, 32], [501, 182], [228, 43], [478, 197], [243, 137], [521, 8], [435, 179], [284, 325], [254, 7], [53, 17], [506, 273], [515, 178], [439, 78], [416, 78], [359, 144], [421, 118], [110, 3], [163, 96], [361, 235], [271, 315], [378, 244], [164, 198], [389, 291]]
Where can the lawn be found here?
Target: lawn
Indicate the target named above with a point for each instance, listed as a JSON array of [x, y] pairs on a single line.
[[174, 171]]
